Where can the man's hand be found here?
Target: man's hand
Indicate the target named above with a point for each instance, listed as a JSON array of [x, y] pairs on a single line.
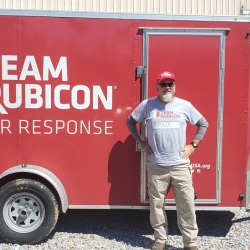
[[187, 151], [145, 147]]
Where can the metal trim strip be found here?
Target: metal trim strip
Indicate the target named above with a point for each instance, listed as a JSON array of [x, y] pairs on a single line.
[[248, 190], [197, 208], [185, 29], [120, 15], [198, 201]]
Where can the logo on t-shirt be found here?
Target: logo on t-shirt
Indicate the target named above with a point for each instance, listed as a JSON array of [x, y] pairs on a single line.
[[164, 114]]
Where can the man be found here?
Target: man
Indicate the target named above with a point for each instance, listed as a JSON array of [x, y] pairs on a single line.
[[167, 158]]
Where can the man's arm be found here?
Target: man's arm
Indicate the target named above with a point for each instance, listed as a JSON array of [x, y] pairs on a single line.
[[202, 125], [131, 124]]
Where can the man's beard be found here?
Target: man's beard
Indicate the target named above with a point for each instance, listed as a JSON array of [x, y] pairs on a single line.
[[168, 97]]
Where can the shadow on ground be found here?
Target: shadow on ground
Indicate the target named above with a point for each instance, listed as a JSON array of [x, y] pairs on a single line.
[[130, 226]]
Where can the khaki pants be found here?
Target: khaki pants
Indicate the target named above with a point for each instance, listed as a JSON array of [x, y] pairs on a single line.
[[180, 178]]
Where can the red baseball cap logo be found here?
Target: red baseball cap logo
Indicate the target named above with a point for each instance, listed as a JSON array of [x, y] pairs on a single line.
[[165, 75]]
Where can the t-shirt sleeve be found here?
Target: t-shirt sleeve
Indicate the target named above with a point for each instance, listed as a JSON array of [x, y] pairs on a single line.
[[139, 114], [193, 114]]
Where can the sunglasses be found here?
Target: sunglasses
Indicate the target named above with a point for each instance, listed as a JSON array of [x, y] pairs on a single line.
[[164, 84]]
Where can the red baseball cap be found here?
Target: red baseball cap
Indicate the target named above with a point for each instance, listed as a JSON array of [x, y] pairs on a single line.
[[165, 75]]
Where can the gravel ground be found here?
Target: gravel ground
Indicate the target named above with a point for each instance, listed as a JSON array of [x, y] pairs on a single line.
[[130, 229]]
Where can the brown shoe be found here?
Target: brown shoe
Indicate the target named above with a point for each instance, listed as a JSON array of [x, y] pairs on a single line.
[[158, 246], [191, 248]]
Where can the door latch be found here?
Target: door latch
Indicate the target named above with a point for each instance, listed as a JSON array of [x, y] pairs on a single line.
[[140, 71], [137, 147]]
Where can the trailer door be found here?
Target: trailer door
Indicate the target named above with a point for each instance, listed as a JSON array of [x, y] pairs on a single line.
[[196, 57]]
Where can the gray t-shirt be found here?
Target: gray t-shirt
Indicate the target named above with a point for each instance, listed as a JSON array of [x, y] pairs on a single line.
[[166, 128]]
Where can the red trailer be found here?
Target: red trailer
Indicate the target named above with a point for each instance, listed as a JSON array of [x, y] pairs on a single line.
[[69, 80]]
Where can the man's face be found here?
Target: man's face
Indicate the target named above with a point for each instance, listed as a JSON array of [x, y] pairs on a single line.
[[166, 89]]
